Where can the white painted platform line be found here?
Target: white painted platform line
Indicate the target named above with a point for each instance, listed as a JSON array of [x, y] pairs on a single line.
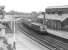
[[25, 43]]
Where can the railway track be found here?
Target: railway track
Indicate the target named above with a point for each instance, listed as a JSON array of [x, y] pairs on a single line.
[[47, 41]]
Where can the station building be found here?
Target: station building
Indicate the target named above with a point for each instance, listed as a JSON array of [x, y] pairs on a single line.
[[57, 17]]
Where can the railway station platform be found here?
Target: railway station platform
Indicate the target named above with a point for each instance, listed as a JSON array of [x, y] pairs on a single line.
[[62, 34], [25, 43]]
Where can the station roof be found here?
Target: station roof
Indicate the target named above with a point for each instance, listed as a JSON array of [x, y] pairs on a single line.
[[56, 17]]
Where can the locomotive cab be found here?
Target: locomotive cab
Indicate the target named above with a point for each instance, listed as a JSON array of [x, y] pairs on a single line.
[[43, 28]]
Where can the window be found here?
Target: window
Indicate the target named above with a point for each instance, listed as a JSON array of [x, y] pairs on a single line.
[[60, 11], [51, 11]]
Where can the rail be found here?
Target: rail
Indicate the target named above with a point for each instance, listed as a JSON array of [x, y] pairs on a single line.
[[49, 42]]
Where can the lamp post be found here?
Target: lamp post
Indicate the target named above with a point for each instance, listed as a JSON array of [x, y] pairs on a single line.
[[14, 29], [14, 35], [43, 13]]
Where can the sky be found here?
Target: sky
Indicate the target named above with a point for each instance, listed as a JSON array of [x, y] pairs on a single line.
[[30, 5]]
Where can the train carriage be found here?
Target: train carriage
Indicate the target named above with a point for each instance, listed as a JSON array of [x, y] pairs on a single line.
[[38, 26]]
